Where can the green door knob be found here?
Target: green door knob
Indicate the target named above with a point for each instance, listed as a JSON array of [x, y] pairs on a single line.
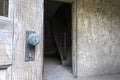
[[33, 39]]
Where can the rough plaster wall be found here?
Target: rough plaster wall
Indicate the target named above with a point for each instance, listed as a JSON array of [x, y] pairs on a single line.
[[98, 37]]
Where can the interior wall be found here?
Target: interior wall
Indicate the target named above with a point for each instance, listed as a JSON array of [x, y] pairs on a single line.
[[98, 37], [61, 27]]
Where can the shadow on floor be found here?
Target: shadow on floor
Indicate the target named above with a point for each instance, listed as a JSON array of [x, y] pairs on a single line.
[[53, 70]]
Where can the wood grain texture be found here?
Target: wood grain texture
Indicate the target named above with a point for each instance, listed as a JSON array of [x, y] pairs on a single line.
[[3, 75], [6, 40], [6, 47], [6, 35], [28, 15]]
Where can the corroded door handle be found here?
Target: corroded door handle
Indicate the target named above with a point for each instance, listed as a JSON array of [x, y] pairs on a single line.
[[33, 39]]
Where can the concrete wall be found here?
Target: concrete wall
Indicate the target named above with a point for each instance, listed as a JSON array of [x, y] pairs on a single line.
[[98, 37]]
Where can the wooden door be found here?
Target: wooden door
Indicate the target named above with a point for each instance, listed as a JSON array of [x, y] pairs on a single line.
[[28, 16], [23, 15], [6, 46]]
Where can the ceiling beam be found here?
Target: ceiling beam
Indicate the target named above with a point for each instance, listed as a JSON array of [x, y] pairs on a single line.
[[67, 1]]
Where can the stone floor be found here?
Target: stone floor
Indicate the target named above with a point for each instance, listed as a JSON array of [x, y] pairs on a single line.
[[53, 70]]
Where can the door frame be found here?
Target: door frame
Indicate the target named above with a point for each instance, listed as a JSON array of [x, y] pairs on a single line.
[[74, 34], [74, 39], [11, 10]]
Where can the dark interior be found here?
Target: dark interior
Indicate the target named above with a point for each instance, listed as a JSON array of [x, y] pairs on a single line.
[[57, 31], [4, 7]]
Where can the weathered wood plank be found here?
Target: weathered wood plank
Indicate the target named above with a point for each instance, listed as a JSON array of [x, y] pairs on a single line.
[[5, 34], [5, 40], [6, 25], [3, 74], [4, 59], [28, 15]]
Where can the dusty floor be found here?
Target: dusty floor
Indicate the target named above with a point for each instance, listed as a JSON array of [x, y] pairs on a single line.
[[54, 71]]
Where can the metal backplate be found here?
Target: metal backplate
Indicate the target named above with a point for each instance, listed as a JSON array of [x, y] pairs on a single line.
[[29, 49]]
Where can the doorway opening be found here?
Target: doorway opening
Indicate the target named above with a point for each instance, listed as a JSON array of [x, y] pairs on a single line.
[[57, 40]]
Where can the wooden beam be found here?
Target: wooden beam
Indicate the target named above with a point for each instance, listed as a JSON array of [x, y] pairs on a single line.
[[66, 1]]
